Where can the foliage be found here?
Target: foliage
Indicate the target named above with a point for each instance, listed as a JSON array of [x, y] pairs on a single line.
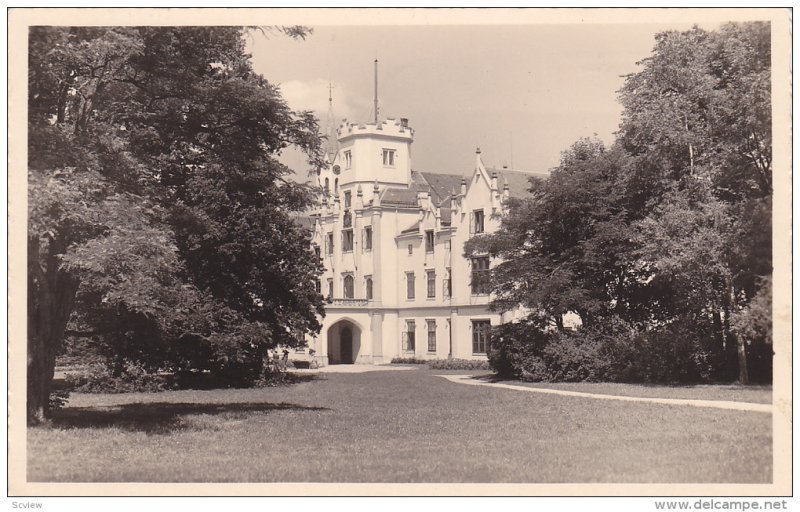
[[407, 360], [161, 223], [667, 231], [99, 378], [611, 352], [458, 364]]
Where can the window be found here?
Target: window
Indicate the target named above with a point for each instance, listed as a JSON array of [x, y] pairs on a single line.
[[388, 158], [409, 336], [336, 186], [319, 286], [368, 286], [347, 240], [429, 241], [348, 287], [480, 276], [409, 285], [348, 159], [480, 336], [330, 289], [410, 249], [431, 335], [476, 224], [347, 199], [327, 186], [368, 238], [317, 252], [347, 219], [329, 244], [431, 274], [447, 287]]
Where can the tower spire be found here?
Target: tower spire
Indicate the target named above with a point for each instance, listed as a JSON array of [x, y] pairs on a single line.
[[331, 144], [376, 91]]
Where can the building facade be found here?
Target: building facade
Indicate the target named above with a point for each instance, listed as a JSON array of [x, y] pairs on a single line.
[[392, 243]]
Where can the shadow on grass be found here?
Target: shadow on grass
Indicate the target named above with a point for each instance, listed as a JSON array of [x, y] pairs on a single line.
[[161, 417]]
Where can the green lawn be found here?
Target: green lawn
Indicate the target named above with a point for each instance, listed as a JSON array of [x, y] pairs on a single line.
[[402, 426]]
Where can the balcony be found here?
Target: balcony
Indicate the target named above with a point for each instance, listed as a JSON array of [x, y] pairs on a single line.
[[348, 303]]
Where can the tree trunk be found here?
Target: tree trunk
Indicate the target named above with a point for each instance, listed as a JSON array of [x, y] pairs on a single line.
[[51, 296], [730, 338]]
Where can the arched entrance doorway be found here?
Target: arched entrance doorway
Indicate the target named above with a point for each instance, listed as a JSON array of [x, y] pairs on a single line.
[[344, 342]]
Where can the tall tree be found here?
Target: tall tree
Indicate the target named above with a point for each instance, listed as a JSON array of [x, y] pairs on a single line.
[[157, 202], [671, 224]]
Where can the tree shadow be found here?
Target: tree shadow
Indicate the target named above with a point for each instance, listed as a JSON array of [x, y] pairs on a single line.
[[161, 417]]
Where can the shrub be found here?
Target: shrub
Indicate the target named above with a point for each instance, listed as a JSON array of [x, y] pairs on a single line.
[[668, 354], [99, 378], [458, 364], [516, 350], [614, 351], [575, 357], [407, 360]]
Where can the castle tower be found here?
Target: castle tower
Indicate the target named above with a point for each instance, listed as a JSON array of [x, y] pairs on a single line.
[[370, 153]]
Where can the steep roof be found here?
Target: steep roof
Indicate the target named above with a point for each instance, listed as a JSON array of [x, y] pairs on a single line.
[[440, 185], [399, 196], [518, 181], [413, 229]]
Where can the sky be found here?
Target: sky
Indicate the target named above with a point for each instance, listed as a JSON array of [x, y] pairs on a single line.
[[522, 93]]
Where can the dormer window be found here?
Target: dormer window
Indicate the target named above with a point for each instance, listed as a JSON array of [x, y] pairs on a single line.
[[476, 222], [388, 157], [348, 159]]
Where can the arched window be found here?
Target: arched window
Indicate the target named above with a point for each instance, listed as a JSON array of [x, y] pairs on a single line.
[[369, 288], [327, 186], [348, 287], [336, 186]]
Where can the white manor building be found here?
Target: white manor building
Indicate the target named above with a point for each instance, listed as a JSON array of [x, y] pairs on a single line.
[[392, 242]]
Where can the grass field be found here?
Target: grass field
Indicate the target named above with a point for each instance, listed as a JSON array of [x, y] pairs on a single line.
[[404, 426]]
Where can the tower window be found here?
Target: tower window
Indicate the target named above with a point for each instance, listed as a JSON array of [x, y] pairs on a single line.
[[431, 335], [480, 276], [327, 186], [330, 289], [368, 286], [431, 275], [480, 336], [409, 335], [347, 199], [348, 287], [347, 240], [476, 224], [329, 244], [388, 157], [348, 159], [429, 241], [368, 238]]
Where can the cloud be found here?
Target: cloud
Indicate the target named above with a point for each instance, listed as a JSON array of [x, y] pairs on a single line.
[[313, 95]]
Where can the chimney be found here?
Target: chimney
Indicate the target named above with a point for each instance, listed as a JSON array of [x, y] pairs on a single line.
[[463, 186], [494, 180]]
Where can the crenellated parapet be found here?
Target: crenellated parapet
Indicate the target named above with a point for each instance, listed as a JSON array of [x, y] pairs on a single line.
[[395, 128]]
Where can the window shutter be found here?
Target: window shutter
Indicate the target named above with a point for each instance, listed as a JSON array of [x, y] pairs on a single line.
[[471, 223], [363, 239]]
